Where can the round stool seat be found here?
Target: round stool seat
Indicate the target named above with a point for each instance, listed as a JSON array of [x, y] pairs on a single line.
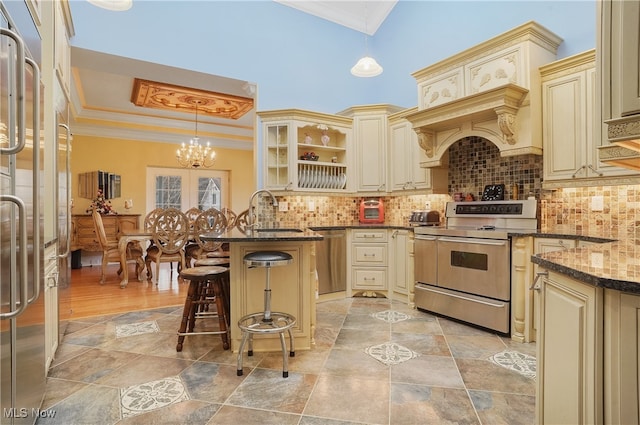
[[201, 262], [202, 272], [218, 254], [267, 259]]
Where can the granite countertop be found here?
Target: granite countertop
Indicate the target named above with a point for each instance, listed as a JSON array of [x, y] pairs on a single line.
[[612, 262], [264, 235]]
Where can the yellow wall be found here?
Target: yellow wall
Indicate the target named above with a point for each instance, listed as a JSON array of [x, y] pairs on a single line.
[[130, 158]]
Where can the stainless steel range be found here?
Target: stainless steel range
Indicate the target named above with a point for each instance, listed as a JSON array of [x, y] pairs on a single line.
[[463, 269]]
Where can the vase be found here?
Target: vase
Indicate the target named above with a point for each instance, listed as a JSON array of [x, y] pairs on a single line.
[[325, 138]]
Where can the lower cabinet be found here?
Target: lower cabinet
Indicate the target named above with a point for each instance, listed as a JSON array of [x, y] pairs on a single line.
[[51, 336], [401, 265], [368, 257], [621, 358]]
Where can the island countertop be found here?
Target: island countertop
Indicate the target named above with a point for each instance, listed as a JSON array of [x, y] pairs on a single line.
[[263, 235]]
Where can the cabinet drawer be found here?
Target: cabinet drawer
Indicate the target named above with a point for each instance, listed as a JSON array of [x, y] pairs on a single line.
[[373, 235], [369, 254], [369, 279]]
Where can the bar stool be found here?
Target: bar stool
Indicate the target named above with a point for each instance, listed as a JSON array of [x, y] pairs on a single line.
[[267, 322], [206, 287]]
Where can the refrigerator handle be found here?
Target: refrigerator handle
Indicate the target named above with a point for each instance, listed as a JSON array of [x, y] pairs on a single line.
[[68, 170], [37, 252], [24, 255], [20, 97]]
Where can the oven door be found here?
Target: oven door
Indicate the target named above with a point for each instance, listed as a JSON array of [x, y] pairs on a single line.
[[426, 259], [475, 266]]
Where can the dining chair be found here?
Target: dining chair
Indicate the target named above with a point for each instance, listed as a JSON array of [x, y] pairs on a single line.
[[150, 218], [192, 214], [170, 233], [230, 216], [241, 221], [211, 220], [110, 251]]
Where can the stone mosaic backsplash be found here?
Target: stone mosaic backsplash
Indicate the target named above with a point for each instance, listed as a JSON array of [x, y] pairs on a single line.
[[473, 163]]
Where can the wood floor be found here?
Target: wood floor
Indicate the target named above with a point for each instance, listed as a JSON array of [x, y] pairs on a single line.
[[86, 297]]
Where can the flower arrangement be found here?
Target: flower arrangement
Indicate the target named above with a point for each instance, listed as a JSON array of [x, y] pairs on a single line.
[[102, 205]]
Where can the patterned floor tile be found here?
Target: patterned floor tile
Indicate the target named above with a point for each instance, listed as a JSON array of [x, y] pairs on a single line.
[[516, 361], [133, 329], [390, 353], [152, 395], [390, 316]]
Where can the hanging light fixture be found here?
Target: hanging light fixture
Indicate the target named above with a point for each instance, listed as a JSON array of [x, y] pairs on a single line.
[[366, 66], [195, 155], [115, 5]]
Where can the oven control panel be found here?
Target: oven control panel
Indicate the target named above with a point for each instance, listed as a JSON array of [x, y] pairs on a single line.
[[510, 209]]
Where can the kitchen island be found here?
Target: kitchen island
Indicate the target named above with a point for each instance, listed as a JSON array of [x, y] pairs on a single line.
[[293, 287]]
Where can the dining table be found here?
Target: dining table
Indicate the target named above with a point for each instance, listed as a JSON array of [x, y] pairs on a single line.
[[124, 240]]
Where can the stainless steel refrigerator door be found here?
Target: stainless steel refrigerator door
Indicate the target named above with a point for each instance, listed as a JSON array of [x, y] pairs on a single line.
[[21, 221]]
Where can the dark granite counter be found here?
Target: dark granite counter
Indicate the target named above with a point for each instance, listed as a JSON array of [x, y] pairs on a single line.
[[264, 235], [610, 263]]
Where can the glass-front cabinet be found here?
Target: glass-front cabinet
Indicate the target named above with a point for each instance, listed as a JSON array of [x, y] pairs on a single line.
[[306, 151]]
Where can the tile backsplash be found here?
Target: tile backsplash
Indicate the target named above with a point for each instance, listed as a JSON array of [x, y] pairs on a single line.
[[473, 163]]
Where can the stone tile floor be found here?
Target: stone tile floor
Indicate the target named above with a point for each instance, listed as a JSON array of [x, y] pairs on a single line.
[[375, 361]]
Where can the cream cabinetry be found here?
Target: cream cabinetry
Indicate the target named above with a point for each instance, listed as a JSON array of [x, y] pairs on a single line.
[[621, 358], [368, 257], [62, 46], [405, 155], [51, 335], [572, 123], [370, 129], [569, 352], [306, 151], [401, 261]]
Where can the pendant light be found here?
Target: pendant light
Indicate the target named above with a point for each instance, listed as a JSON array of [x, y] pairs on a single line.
[[115, 5], [366, 66]]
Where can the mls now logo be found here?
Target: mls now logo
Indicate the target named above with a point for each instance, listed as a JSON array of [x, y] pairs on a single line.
[[14, 412]]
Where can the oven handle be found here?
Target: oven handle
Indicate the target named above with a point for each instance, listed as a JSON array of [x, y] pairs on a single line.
[[474, 241], [425, 238]]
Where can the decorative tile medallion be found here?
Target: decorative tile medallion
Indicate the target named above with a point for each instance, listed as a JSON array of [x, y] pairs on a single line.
[[152, 395], [132, 329], [390, 316], [516, 361], [390, 353]]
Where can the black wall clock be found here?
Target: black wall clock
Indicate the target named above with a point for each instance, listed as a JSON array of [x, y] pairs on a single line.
[[493, 192]]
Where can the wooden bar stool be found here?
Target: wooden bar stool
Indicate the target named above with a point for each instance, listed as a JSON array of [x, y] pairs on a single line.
[[267, 322], [206, 287]]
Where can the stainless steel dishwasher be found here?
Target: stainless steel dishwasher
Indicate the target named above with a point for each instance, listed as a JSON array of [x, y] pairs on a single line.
[[331, 261]]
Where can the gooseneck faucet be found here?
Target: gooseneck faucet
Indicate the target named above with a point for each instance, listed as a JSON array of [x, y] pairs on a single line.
[[274, 201]]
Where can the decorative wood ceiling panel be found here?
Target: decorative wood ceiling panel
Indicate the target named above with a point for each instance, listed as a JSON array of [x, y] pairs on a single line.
[[152, 94]]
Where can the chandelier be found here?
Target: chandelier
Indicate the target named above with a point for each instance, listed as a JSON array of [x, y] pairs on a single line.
[[195, 155]]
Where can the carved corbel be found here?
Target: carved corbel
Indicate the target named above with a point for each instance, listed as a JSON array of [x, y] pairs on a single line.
[[426, 141], [507, 125]]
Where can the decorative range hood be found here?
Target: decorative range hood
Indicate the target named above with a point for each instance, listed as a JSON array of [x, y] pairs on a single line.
[[491, 90], [624, 138]]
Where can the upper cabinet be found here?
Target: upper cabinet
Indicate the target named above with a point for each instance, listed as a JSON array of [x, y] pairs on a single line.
[[619, 64], [406, 157], [370, 140], [306, 151], [571, 123], [63, 30]]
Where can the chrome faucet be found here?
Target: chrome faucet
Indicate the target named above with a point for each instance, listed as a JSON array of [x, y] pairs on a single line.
[[274, 201]]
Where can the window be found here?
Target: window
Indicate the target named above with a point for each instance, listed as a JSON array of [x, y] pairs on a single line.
[[185, 188]]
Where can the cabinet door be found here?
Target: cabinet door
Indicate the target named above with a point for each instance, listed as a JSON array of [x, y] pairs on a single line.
[[621, 360], [371, 152], [569, 375], [277, 156], [563, 126], [400, 271]]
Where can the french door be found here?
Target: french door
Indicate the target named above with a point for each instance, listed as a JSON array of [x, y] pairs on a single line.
[[183, 188]]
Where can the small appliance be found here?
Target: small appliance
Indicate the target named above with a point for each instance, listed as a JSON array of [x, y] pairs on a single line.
[[371, 211], [424, 218]]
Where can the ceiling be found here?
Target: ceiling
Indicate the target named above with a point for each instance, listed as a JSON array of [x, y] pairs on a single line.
[[101, 93]]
